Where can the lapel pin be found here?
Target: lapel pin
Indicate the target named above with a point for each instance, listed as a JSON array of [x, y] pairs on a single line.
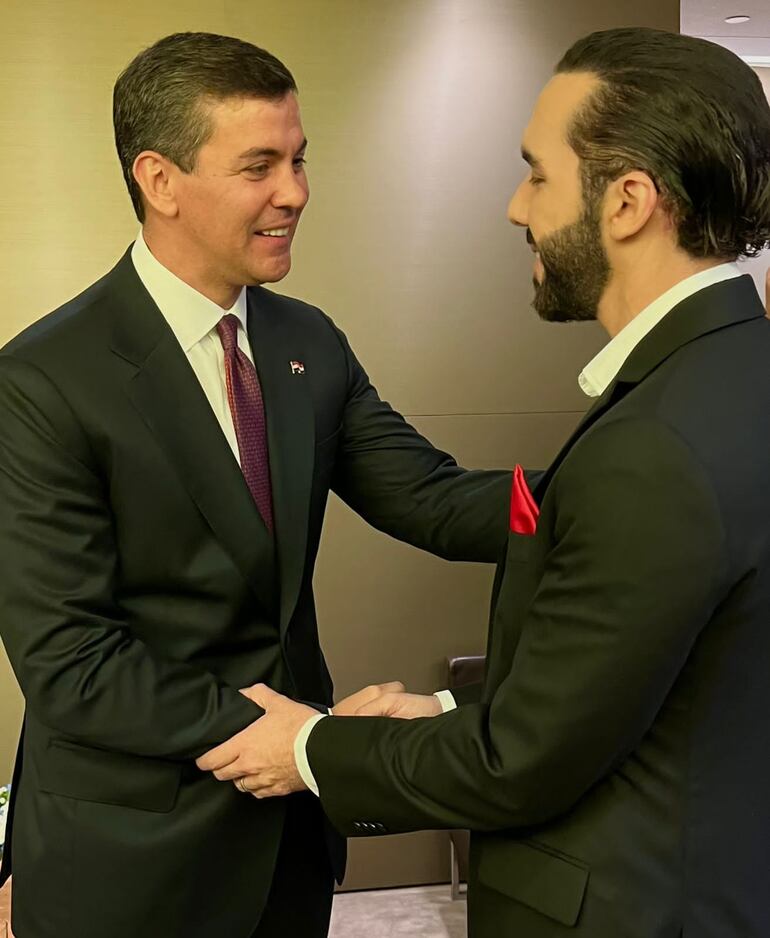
[[297, 368]]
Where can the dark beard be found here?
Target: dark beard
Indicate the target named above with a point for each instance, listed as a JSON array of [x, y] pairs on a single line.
[[577, 271]]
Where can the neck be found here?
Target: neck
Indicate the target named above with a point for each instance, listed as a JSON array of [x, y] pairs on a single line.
[[639, 281], [185, 263]]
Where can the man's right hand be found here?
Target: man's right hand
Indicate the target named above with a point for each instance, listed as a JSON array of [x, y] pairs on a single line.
[[350, 706]]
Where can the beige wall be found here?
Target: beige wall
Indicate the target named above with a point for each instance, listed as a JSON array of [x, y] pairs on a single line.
[[413, 109], [764, 77]]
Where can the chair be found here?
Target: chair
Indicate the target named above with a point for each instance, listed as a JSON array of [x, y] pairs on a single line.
[[468, 669]]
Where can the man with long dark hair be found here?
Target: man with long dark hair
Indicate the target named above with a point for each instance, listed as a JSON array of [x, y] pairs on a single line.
[[615, 765]]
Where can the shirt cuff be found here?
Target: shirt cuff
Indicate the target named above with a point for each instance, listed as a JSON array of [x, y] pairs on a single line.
[[446, 699], [300, 752]]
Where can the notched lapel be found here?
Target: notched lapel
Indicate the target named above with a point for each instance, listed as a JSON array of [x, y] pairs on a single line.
[[170, 400], [611, 396], [720, 306], [291, 437]]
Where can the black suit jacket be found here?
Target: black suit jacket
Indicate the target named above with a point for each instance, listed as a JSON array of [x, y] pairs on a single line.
[[139, 589], [617, 768]]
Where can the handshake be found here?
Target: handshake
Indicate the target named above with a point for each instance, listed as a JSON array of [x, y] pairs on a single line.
[[387, 700], [264, 759]]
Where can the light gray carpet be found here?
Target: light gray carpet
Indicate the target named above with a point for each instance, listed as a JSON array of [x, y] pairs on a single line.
[[426, 911]]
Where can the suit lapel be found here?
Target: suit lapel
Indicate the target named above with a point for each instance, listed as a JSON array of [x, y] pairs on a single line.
[[611, 396], [725, 304], [170, 400], [291, 439]]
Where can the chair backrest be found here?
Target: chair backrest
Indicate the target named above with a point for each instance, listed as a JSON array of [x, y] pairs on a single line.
[[467, 669]]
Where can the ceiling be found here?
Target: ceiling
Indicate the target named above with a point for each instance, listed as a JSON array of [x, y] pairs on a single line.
[[707, 18]]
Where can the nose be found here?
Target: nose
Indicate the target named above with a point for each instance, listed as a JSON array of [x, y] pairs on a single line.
[[292, 191], [518, 207]]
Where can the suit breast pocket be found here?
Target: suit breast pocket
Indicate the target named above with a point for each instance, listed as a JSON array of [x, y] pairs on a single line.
[[519, 549], [515, 585], [516, 569]]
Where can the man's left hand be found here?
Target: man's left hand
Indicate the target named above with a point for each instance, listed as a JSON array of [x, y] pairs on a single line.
[[260, 759]]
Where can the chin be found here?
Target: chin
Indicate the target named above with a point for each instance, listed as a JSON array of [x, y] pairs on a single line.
[[270, 273]]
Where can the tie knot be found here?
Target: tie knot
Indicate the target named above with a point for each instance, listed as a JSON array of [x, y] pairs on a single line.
[[227, 327]]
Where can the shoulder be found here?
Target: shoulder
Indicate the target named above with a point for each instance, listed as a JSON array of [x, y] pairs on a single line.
[[290, 307], [67, 326], [297, 315]]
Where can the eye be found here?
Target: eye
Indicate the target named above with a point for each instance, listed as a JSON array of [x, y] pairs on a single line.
[[299, 162], [536, 180], [258, 170]]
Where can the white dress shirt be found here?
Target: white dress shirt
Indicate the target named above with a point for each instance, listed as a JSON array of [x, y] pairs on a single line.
[[599, 373], [595, 378], [193, 318]]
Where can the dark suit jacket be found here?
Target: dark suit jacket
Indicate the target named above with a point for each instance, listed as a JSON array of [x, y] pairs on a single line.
[[617, 767], [139, 589]]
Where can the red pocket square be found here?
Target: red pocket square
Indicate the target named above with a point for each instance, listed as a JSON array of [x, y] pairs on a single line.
[[524, 510]]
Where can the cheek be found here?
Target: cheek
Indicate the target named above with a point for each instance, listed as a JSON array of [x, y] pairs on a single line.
[[548, 214]]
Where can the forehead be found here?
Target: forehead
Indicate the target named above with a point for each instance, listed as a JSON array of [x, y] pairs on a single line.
[[554, 109], [255, 121]]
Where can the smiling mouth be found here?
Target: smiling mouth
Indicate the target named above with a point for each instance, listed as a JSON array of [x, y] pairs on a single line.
[[274, 233]]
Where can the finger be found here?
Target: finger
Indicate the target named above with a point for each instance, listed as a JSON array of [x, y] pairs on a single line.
[[230, 772], [276, 790], [254, 689], [392, 687], [264, 696], [380, 707], [261, 785], [220, 756]]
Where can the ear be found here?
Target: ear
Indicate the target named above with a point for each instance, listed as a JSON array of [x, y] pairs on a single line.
[[629, 204], [155, 176]]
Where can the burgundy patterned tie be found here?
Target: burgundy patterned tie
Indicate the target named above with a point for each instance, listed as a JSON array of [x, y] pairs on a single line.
[[248, 410]]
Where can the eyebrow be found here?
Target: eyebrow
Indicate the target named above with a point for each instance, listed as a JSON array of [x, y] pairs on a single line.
[[256, 153], [528, 157]]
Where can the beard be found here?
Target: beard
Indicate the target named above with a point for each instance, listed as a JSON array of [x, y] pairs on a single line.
[[577, 270]]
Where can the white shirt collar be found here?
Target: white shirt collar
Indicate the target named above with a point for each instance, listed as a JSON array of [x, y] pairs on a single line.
[[599, 373], [190, 314]]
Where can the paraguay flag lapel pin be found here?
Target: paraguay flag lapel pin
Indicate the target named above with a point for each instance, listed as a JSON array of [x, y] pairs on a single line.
[[297, 368]]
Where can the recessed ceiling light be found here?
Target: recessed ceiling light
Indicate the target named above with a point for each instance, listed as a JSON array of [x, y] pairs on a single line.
[[734, 20]]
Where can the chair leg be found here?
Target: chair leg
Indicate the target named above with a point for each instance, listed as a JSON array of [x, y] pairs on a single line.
[[455, 889]]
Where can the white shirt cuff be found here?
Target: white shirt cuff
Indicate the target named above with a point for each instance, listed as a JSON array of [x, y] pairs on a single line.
[[446, 699], [300, 752]]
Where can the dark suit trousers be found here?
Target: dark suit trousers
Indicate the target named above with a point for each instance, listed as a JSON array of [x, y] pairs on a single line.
[[300, 900]]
